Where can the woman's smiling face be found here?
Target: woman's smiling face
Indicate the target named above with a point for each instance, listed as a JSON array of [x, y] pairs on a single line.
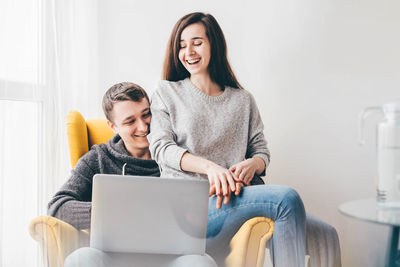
[[195, 50]]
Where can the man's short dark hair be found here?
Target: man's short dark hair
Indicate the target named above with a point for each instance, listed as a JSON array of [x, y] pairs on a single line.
[[122, 92]]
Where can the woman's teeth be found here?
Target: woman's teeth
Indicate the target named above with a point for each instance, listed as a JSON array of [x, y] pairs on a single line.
[[193, 61]]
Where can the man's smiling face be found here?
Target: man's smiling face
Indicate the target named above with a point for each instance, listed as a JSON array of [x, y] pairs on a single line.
[[131, 120]]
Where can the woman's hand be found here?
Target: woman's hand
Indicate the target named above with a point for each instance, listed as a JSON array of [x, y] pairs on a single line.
[[246, 169], [219, 176], [222, 178], [227, 198]]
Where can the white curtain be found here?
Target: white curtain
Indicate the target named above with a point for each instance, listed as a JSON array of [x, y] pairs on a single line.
[[48, 66]]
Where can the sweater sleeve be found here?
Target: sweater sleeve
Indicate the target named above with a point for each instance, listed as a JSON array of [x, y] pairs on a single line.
[[72, 203], [162, 139], [257, 145]]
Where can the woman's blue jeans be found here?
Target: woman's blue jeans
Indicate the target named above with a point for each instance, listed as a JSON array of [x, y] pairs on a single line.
[[280, 203]]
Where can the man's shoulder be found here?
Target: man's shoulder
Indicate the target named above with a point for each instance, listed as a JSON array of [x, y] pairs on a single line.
[[92, 158], [96, 151]]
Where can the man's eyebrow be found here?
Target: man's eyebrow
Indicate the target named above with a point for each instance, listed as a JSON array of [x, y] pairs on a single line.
[[194, 38], [128, 118], [133, 116]]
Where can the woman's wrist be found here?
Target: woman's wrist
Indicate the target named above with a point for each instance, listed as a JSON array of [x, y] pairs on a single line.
[[196, 164], [208, 165], [260, 165]]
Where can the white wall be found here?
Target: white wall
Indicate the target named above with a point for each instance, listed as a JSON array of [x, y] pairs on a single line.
[[312, 66]]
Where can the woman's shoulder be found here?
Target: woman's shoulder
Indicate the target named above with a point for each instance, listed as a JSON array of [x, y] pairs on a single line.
[[241, 93], [170, 85], [169, 90]]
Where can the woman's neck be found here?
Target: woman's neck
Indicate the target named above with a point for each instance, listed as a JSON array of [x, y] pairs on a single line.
[[206, 85]]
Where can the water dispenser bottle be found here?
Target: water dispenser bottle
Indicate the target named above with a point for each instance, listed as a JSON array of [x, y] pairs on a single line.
[[388, 152]]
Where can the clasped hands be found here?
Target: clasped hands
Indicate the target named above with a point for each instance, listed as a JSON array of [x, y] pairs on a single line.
[[223, 182]]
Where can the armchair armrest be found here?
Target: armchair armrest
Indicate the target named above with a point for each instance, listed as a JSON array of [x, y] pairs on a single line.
[[248, 244], [57, 239]]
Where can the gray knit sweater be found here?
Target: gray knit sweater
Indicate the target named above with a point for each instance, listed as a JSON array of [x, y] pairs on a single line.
[[72, 203], [225, 129]]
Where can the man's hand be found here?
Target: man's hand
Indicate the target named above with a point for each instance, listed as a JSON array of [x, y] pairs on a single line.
[[226, 198]]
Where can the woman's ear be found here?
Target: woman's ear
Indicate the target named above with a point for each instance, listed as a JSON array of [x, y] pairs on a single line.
[[112, 126]]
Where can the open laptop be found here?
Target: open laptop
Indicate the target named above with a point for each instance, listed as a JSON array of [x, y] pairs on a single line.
[[149, 214]]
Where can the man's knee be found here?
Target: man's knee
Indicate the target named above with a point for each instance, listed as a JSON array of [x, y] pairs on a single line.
[[87, 257], [193, 261]]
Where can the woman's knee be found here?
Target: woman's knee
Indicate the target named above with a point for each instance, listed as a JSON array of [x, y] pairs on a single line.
[[290, 197], [291, 202]]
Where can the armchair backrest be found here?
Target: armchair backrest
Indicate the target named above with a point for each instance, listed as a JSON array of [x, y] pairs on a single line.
[[83, 134]]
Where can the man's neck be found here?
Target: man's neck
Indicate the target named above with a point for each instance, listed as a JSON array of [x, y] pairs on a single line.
[[139, 153]]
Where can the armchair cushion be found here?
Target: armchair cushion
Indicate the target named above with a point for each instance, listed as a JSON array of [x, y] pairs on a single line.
[[83, 134], [98, 131], [77, 136]]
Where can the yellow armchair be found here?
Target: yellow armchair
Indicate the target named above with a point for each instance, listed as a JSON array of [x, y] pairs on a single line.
[[58, 239]]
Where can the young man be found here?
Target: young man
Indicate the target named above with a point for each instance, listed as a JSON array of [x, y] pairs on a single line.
[[127, 109]]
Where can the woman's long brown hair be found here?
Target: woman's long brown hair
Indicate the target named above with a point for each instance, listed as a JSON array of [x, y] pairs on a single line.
[[219, 68]]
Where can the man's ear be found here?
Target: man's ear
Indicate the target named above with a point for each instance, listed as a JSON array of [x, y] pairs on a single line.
[[112, 126]]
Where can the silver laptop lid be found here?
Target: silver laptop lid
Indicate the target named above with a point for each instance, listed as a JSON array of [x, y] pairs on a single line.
[[149, 214]]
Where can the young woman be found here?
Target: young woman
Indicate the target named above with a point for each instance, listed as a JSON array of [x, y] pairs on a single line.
[[206, 126]]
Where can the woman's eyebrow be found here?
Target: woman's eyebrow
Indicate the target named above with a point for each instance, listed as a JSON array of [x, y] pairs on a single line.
[[194, 38]]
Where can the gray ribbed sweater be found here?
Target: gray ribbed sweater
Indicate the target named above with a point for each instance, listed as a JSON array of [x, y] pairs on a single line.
[[72, 203], [225, 129]]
